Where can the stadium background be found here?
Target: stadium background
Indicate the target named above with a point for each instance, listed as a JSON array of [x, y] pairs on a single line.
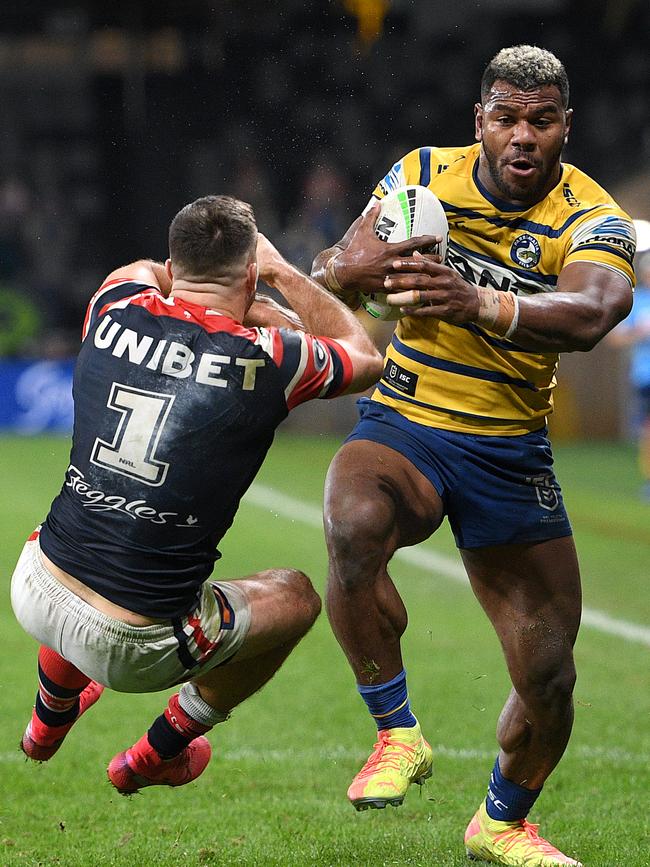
[[115, 115]]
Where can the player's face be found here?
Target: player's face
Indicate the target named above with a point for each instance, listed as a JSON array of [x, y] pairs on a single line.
[[522, 135]]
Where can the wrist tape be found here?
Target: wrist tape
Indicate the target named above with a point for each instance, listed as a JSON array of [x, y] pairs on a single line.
[[331, 280], [498, 312]]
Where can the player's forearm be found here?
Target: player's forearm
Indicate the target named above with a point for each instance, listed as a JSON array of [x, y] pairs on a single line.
[[563, 322], [265, 312], [589, 301], [320, 311], [326, 316]]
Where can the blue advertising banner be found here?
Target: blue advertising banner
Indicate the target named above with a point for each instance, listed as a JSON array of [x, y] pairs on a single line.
[[36, 396]]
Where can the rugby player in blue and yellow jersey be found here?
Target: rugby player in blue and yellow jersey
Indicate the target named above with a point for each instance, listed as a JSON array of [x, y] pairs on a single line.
[[182, 378], [539, 263]]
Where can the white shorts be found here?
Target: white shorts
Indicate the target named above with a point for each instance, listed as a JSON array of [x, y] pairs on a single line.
[[122, 657]]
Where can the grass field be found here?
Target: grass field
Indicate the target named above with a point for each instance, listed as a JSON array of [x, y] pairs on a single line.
[[274, 793]]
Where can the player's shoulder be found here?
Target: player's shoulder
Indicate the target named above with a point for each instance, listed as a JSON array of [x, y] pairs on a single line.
[[422, 164], [578, 208], [115, 291], [591, 224], [578, 193], [588, 212]]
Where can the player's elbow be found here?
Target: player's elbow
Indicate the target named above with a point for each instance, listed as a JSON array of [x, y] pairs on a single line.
[[585, 340], [592, 330], [367, 370]]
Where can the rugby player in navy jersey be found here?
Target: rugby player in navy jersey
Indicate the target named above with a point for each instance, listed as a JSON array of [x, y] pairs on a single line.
[[176, 404], [539, 262]]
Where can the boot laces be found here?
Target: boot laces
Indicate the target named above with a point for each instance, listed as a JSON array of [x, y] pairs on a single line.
[[535, 842], [387, 753]]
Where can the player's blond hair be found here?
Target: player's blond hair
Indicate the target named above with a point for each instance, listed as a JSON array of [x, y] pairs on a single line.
[[527, 67]]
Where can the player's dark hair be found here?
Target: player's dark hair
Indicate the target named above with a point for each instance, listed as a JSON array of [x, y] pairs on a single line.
[[527, 67], [211, 233]]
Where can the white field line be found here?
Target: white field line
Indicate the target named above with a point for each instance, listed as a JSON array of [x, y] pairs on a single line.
[[290, 508], [342, 753]]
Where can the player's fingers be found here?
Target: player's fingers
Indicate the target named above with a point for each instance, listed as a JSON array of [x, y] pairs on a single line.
[[421, 311], [427, 264], [409, 298], [371, 214], [419, 242], [400, 282]]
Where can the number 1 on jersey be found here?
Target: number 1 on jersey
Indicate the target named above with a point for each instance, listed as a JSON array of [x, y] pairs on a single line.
[[132, 452]]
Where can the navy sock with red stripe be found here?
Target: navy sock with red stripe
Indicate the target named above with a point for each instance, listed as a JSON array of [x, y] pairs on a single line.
[[173, 730], [57, 701], [186, 717]]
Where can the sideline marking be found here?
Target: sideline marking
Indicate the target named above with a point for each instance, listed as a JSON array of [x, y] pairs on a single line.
[[295, 510], [342, 753]]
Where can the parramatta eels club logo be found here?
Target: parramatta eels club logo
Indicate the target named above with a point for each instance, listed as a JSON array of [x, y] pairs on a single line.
[[525, 251]]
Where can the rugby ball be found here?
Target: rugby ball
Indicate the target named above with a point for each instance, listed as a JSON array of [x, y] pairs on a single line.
[[405, 213]]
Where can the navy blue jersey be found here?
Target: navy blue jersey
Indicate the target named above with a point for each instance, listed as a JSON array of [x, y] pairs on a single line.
[[175, 409]]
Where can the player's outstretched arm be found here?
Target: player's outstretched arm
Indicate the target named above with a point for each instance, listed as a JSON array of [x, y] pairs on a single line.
[[144, 271], [589, 301], [322, 314], [360, 261]]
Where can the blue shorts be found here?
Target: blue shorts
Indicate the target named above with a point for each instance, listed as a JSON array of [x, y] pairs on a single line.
[[495, 490]]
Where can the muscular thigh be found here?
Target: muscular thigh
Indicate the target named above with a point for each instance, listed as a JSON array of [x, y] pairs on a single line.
[[373, 491]]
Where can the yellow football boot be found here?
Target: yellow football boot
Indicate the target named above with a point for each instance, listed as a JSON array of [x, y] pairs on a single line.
[[400, 757], [514, 844]]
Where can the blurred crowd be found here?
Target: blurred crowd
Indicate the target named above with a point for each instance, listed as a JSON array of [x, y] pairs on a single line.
[[114, 119]]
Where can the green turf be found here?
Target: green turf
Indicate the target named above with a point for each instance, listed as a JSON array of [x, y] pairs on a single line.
[[274, 793]]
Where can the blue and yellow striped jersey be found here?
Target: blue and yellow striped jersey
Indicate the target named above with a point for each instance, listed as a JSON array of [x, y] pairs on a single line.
[[463, 378]]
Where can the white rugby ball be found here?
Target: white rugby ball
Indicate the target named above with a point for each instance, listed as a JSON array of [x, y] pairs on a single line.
[[406, 212]]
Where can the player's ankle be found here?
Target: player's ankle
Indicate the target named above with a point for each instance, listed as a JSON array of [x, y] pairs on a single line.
[[388, 703], [44, 734], [506, 801], [142, 756]]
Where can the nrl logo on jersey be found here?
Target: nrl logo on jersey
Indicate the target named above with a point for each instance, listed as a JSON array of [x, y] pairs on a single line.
[[525, 251]]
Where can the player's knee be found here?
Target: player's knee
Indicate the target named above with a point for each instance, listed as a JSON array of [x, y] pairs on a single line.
[[549, 683], [301, 598], [358, 532]]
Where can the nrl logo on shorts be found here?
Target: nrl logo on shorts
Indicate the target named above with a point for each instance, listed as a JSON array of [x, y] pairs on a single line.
[[525, 251], [546, 490]]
